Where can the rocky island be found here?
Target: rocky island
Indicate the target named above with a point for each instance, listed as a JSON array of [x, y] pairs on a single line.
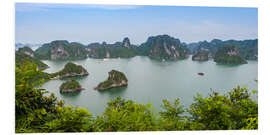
[[115, 79], [70, 86], [202, 55], [163, 47], [61, 50], [27, 54], [122, 49], [229, 54], [70, 70]]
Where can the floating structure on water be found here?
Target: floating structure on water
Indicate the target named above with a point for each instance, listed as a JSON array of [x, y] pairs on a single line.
[[200, 73]]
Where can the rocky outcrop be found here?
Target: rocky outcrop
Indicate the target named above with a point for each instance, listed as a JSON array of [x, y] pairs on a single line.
[[202, 55], [70, 86], [61, 50], [164, 47], [229, 54], [115, 79], [23, 58], [70, 70], [27, 51], [126, 42], [58, 51], [116, 50]]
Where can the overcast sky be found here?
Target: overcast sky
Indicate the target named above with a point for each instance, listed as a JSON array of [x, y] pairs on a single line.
[[43, 23]]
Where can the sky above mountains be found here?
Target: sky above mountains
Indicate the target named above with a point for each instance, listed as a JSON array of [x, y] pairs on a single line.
[[43, 23]]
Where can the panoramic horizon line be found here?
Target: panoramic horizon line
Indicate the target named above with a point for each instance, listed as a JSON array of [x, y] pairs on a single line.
[[136, 44]]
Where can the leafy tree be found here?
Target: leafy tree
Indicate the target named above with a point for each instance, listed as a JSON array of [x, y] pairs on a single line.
[[35, 112], [69, 119], [122, 115], [38, 113], [233, 111], [172, 117]]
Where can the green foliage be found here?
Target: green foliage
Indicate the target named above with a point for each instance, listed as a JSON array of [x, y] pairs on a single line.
[[212, 112], [115, 77], [69, 119], [112, 51], [233, 111], [157, 47], [70, 85], [73, 50], [22, 58], [43, 52], [36, 112], [26, 49], [122, 115], [30, 103], [202, 55], [172, 118], [248, 49], [71, 68], [223, 57]]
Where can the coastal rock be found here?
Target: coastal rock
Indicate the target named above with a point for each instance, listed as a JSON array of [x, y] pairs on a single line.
[[164, 47], [70, 86], [126, 42], [61, 50], [115, 79], [26, 54], [202, 55], [70, 70], [229, 54], [27, 51]]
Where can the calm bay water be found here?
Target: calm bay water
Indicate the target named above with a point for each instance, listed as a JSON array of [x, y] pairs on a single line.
[[150, 81]]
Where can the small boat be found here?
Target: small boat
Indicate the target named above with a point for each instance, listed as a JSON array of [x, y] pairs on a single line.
[[200, 73]]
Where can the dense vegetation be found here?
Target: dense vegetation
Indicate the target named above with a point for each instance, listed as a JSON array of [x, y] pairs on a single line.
[[110, 51], [71, 70], [115, 77], [70, 86], [163, 47], [61, 49], [156, 47], [22, 58], [26, 50], [202, 55], [229, 54], [248, 49], [36, 112]]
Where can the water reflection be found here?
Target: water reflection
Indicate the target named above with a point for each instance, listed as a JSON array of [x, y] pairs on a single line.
[[114, 92]]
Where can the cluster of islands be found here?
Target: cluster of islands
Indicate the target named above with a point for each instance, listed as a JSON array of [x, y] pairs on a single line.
[[161, 47]]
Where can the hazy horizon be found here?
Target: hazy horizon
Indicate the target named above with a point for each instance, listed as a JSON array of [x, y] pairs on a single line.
[[83, 23]]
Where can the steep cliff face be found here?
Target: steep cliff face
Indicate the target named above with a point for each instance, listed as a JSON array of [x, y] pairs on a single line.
[[248, 49], [61, 49], [58, 51], [119, 49], [164, 47], [202, 55], [115, 79], [126, 42], [229, 54], [26, 54], [23, 58], [27, 51]]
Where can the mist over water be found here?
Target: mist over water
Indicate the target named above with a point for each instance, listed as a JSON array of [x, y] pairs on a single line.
[[150, 81]]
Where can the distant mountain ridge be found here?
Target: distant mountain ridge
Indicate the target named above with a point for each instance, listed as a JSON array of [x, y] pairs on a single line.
[[162, 47], [248, 49]]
